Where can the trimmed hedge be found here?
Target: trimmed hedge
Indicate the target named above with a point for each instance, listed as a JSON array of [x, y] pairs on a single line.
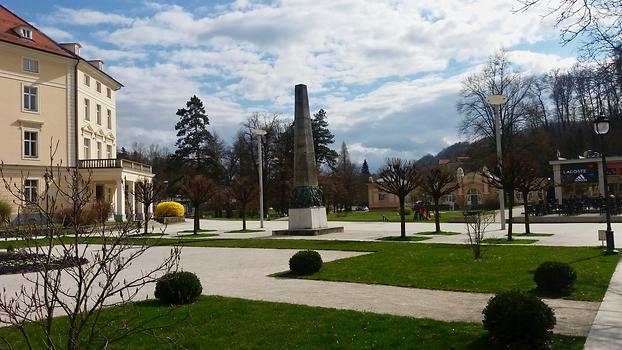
[[5, 212], [168, 209], [305, 262], [555, 277], [178, 288], [517, 320]]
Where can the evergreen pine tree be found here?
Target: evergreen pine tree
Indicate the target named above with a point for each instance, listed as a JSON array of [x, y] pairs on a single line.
[[322, 138], [193, 137], [365, 169]]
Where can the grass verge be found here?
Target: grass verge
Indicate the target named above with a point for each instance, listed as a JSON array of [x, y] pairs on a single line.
[[216, 323], [505, 241], [245, 231], [403, 239], [434, 233]]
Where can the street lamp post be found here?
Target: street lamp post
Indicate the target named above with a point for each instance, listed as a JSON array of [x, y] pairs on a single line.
[[601, 128], [496, 101], [260, 133]]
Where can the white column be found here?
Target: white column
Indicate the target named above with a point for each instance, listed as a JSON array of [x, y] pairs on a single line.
[[601, 178], [557, 182], [132, 199], [120, 205]]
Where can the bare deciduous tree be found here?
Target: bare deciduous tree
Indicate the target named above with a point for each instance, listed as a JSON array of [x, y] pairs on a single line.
[[244, 191], [147, 192], [399, 177], [437, 182], [199, 190], [529, 180], [81, 269], [476, 224]]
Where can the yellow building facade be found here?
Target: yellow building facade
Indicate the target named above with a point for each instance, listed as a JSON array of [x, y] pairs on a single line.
[[58, 109]]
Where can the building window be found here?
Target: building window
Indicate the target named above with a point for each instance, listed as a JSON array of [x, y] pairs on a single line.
[[98, 86], [87, 80], [450, 198], [87, 109], [30, 98], [30, 144], [99, 114], [29, 65], [474, 197], [108, 92], [382, 196], [109, 151], [87, 148], [99, 150], [26, 33], [31, 191], [109, 118]]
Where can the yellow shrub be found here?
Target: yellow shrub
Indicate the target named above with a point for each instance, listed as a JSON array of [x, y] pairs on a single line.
[[164, 209]]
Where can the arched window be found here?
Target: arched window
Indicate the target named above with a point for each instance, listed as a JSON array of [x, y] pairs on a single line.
[[473, 197]]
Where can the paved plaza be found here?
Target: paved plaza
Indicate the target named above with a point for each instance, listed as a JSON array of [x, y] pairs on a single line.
[[245, 273]]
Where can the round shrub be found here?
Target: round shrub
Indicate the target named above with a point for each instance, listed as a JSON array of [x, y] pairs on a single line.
[[168, 209], [555, 277], [305, 262], [518, 320], [178, 288], [407, 211], [5, 212]]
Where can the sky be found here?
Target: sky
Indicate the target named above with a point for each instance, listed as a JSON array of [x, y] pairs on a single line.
[[387, 72]]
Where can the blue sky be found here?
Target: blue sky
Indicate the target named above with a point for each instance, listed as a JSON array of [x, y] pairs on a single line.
[[387, 72]]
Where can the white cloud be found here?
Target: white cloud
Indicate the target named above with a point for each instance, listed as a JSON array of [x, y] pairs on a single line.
[[56, 33], [387, 71], [538, 63], [87, 17]]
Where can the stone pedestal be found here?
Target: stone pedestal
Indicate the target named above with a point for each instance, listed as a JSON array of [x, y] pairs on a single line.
[[307, 218]]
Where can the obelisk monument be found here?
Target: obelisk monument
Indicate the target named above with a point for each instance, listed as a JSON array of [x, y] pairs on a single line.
[[307, 214]]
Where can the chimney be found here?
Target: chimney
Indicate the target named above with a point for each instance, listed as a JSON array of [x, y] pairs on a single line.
[[73, 47], [99, 64]]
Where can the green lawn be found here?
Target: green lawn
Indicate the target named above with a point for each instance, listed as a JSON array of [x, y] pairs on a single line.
[[505, 241], [228, 323], [436, 266], [245, 231], [533, 234], [198, 231], [375, 216], [434, 233], [449, 266], [403, 239]]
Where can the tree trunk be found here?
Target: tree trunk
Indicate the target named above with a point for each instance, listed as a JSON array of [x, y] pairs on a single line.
[[243, 214], [402, 218], [525, 207], [197, 216], [510, 205], [437, 215], [146, 217]]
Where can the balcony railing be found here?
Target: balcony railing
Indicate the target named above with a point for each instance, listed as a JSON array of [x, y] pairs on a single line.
[[113, 163]]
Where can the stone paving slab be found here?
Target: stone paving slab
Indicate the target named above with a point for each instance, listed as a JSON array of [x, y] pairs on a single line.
[[606, 332]]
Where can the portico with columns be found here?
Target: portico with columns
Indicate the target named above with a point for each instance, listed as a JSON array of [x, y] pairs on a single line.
[[114, 180]]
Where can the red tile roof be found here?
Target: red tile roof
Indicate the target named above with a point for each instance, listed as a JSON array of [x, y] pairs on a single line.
[[40, 41]]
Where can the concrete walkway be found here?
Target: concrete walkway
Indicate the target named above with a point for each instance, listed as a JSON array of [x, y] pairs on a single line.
[[571, 235], [606, 332]]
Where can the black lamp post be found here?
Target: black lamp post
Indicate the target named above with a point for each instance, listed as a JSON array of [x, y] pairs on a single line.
[[601, 128]]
